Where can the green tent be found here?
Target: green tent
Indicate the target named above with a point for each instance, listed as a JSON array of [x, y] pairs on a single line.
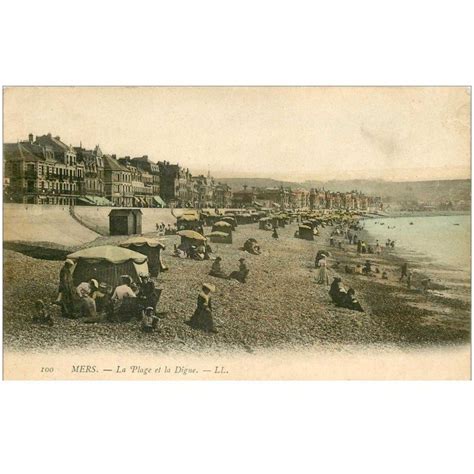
[[107, 263]]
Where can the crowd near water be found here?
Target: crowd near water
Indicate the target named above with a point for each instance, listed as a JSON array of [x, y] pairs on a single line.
[[443, 239]]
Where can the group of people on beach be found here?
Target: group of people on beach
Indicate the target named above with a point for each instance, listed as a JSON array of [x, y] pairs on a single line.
[[202, 251], [164, 229], [342, 297], [240, 275], [95, 301]]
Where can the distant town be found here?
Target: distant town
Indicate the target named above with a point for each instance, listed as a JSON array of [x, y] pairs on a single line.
[[45, 170]]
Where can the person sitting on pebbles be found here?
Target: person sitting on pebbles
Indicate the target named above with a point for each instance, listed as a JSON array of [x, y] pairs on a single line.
[[242, 273], [337, 292], [351, 302], [252, 247], [216, 269]]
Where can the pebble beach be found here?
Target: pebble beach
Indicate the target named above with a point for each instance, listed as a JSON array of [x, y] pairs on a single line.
[[279, 307]]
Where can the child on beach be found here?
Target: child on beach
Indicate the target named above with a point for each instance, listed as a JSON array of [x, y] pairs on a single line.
[[426, 285], [149, 320], [42, 316]]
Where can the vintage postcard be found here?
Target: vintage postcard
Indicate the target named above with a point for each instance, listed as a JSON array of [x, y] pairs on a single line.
[[236, 233]]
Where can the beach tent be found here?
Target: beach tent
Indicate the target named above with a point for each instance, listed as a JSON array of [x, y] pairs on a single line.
[[107, 263], [191, 234], [305, 232], [189, 221], [220, 237], [149, 247], [210, 216], [222, 226], [244, 218], [230, 220], [191, 237]]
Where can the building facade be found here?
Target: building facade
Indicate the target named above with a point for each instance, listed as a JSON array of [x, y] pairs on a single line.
[[117, 182], [222, 195], [43, 171], [93, 170]]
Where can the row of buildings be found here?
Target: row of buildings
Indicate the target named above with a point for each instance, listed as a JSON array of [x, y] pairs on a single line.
[[287, 198], [45, 170]]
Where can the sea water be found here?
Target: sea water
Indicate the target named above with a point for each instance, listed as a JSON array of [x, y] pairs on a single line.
[[442, 239]]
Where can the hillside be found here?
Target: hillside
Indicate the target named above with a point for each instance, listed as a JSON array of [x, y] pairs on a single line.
[[391, 191]]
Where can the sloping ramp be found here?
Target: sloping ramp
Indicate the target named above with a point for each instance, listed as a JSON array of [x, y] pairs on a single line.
[[42, 223]]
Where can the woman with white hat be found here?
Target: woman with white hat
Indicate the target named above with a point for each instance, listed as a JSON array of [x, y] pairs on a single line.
[[202, 317]]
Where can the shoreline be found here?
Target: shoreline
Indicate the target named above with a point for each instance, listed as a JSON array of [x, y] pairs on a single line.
[[446, 305], [395, 214]]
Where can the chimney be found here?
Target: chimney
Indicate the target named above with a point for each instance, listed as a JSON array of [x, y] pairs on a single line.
[[58, 138], [30, 138]]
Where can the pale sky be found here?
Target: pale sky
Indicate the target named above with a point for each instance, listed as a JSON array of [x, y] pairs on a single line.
[[271, 132]]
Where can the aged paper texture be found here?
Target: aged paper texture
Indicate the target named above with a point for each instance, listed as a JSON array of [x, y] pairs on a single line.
[[236, 233]]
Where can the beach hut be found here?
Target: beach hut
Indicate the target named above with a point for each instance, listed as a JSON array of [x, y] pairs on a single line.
[[125, 221], [222, 226], [305, 232], [220, 237], [149, 247], [107, 263]]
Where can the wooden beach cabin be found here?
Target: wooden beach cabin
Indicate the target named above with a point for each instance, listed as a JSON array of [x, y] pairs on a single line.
[[125, 221]]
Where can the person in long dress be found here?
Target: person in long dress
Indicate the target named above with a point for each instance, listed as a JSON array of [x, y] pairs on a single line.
[[66, 290], [202, 317], [323, 277]]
